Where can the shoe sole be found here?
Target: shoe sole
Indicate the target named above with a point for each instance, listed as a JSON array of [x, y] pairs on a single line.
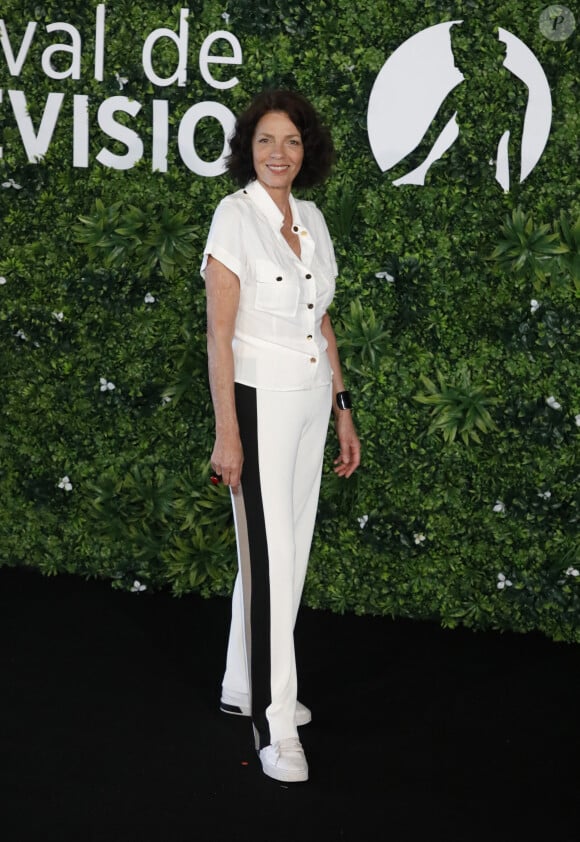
[[284, 775], [234, 710]]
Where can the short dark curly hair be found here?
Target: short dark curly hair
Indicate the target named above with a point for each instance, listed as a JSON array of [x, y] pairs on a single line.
[[316, 140]]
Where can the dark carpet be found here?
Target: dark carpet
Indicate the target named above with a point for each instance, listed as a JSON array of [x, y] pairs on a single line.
[[110, 728]]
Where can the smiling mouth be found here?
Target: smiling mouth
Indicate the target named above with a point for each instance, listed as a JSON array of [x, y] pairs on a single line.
[[278, 168]]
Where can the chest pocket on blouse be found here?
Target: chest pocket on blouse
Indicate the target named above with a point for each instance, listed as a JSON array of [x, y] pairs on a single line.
[[276, 293]]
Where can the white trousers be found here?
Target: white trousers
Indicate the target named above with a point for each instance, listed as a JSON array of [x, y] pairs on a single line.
[[283, 436]]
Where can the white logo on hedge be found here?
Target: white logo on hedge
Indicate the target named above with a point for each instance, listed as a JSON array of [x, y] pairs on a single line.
[[413, 84]]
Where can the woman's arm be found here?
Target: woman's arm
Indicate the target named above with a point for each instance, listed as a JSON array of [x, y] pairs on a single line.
[[223, 296], [349, 458]]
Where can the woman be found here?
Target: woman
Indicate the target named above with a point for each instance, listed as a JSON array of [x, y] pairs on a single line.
[[274, 374]]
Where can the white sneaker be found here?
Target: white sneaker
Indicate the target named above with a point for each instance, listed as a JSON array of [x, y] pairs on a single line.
[[284, 760], [238, 707]]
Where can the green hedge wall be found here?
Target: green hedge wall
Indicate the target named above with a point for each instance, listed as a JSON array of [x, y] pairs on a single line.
[[467, 395]]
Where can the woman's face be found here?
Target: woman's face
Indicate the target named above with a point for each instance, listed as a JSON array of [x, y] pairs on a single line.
[[277, 151]]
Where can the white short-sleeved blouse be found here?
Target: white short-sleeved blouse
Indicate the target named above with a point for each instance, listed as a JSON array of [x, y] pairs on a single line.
[[277, 342]]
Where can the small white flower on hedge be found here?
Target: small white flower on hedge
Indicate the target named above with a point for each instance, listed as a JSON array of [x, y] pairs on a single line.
[[165, 399], [121, 81], [149, 299], [503, 582], [553, 403], [106, 385], [225, 16], [21, 335], [11, 183], [2, 280], [58, 316], [65, 484], [534, 305], [137, 587], [571, 571], [545, 495], [499, 506], [577, 420], [385, 276], [362, 521], [418, 537]]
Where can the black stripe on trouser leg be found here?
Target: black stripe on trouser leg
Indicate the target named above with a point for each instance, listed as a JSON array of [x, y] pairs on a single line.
[[260, 654]]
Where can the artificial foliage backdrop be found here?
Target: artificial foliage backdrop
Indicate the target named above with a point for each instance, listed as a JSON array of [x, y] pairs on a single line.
[[456, 313]]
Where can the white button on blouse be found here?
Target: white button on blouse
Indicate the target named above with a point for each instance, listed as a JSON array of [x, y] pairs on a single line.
[[277, 343]]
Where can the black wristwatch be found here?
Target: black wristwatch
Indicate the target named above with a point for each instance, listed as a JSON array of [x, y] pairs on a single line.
[[343, 400]]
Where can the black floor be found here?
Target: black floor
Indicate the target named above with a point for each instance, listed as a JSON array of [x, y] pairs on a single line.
[[109, 727]]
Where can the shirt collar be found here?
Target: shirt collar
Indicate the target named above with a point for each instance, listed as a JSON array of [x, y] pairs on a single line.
[[266, 204]]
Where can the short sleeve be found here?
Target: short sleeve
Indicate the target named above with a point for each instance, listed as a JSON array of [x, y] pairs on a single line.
[[326, 244], [225, 241]]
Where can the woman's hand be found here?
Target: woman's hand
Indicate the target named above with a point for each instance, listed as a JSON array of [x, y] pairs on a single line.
[[227, 459], [223, 296], [348, 459]]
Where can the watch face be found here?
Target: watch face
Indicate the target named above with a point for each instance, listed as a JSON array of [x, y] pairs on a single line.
[[343, 400]]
